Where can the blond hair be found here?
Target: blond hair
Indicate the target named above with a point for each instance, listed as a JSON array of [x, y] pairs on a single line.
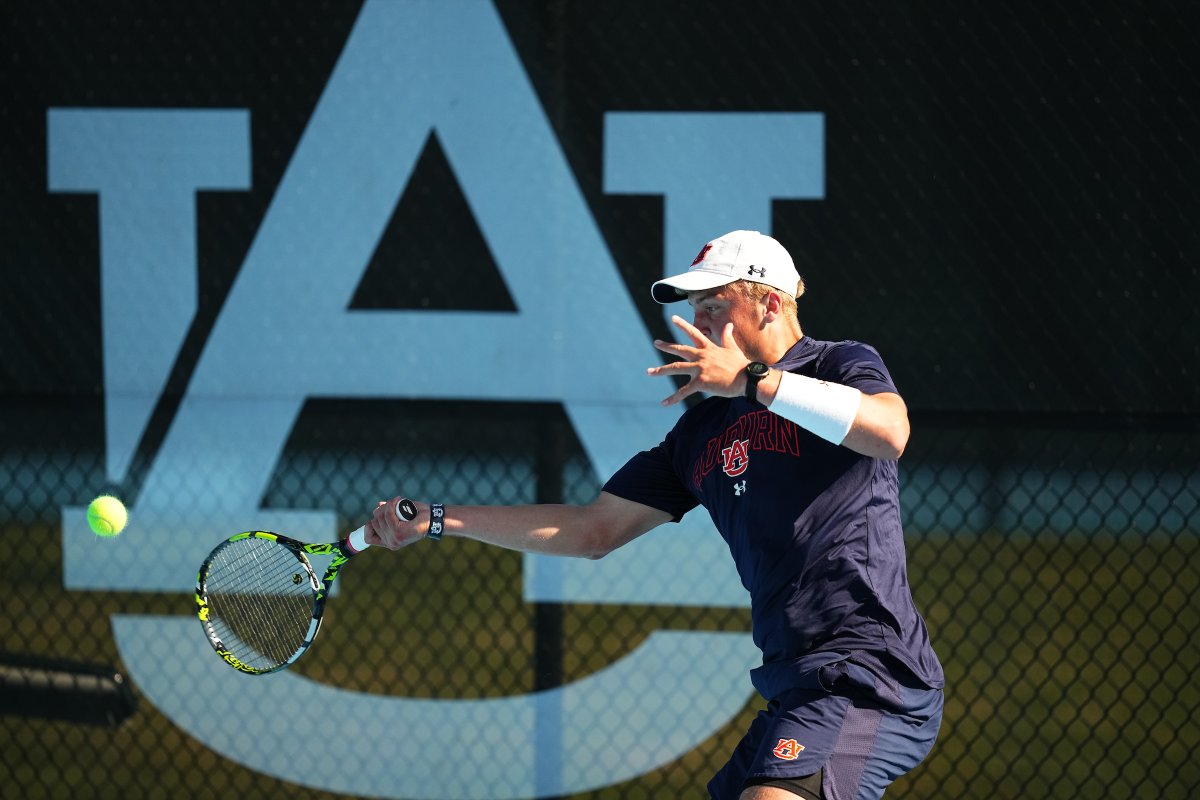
[[755, 292]]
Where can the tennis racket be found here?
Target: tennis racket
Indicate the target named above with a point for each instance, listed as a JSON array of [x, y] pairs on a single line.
[[259, 599]]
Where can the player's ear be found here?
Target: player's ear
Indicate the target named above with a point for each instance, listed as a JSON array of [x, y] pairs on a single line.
[[772, 306]]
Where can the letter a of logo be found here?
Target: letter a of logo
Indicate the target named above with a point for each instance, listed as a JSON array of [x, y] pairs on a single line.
[[736, 458], [787, 749]]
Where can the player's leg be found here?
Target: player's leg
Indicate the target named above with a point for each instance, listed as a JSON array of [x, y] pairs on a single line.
[[873, 746], [878, 745], [783, 752], [858, 733]]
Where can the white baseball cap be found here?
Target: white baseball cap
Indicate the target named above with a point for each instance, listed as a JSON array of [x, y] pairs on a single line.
[[736, 256]]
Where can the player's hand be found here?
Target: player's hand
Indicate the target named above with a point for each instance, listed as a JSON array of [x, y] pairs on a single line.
[[716, 368], [387, 528]]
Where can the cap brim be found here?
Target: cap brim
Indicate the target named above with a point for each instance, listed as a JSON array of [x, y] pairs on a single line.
[[675, 288]]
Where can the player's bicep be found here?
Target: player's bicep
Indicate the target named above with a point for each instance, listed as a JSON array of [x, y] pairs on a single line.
[[618, 521], [885, 405]]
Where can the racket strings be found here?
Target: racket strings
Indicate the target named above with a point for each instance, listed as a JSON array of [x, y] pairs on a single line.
[[260, 599]]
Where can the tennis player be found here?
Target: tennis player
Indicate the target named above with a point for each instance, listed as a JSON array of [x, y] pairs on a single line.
[[793, 455]]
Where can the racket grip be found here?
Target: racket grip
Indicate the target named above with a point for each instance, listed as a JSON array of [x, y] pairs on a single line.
[[405, 509], [358, 540]]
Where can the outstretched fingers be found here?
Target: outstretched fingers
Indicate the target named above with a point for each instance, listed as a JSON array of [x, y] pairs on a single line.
[[681, 350], [686, 366], [699, 340], [695, 334], [691, 387], [697, 360]]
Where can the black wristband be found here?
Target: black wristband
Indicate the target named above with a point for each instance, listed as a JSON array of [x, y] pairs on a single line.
[[755, 372], [437, 513]]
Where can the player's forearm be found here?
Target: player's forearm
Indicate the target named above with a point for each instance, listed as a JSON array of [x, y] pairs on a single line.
[[551, 529], [590, 531], [880, 428]]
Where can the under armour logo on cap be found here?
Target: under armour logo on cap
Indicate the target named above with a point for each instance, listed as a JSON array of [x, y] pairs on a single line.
[[738, 255]]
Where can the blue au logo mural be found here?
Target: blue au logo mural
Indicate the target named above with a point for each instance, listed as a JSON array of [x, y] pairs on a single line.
[[285, 334]]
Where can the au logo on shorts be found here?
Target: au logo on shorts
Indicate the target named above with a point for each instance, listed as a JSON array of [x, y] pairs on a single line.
[[787, 749]]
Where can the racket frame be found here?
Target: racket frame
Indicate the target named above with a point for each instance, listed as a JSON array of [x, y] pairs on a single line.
[[340, 552]]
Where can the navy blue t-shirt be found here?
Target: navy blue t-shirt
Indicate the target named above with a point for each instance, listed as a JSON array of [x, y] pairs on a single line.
[[814, 528]]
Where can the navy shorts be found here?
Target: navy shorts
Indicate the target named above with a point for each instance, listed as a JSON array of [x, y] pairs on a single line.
[[860, 729]]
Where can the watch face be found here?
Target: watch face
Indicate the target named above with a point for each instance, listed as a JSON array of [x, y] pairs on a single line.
[[757, 368]]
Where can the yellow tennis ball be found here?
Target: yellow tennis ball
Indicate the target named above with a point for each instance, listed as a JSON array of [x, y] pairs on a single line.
[[106, 515]]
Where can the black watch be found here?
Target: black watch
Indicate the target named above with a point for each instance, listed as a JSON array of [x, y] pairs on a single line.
[[755, 372]]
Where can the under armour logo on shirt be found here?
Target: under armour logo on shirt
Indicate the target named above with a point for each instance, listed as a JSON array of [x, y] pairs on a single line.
[[738, 488]]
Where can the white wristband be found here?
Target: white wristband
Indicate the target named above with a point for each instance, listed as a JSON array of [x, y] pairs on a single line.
[[826, 409]]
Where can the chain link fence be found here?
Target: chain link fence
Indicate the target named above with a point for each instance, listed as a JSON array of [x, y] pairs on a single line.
[[1008, 215], [1057, 569]]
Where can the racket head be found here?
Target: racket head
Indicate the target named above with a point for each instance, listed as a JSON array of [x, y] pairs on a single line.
[[260, 601]]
